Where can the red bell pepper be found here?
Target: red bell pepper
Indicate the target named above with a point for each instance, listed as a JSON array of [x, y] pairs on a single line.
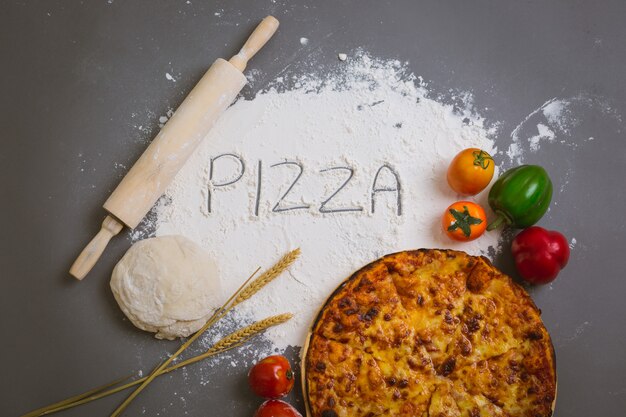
[[540, 254]]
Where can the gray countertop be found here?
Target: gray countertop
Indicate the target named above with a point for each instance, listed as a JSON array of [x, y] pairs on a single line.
[[78, 76]]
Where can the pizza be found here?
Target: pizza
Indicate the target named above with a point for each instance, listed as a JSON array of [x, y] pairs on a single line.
[[429, 333]]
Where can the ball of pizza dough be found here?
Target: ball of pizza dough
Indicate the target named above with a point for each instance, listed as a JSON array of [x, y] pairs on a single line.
[[167, 285]]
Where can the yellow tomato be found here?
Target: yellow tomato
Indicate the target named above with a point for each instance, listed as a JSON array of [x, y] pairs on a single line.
[[470, 171], [464, 221]]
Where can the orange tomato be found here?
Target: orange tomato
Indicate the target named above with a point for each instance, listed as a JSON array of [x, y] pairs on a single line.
[[470, 171], [464, 221]]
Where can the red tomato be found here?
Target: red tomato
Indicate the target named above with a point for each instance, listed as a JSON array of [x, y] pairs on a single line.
[[276, 408], [272, 377]]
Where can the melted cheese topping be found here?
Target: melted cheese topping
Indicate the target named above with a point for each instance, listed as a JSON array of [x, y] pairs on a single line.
[[430, 333]]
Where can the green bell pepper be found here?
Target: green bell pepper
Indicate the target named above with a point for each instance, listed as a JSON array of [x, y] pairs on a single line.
[[520, 197]]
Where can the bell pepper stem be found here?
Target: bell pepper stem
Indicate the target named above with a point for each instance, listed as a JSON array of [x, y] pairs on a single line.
[[498, 222]]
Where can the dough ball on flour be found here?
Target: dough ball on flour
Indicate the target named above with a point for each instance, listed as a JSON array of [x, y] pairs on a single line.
[[167, 285]]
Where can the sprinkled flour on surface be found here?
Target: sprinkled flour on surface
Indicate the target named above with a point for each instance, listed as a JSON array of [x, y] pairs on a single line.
[[372, 122], [543, 133], [555, 122]]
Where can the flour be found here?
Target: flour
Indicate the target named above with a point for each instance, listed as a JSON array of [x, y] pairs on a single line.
[[558, 122], [371, 122], [556, 112], [543, 133]]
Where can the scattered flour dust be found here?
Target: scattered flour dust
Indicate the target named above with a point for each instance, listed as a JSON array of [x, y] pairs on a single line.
[[544, 133], [371, 121], [557, 121]]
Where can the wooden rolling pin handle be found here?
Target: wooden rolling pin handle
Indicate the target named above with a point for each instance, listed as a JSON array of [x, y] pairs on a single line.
[[259, 37], [90, 255]]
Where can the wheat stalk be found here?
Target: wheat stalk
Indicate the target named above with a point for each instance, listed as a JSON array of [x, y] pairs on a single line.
[[246, 333], [233, 340], [267, 276], [61, 405]]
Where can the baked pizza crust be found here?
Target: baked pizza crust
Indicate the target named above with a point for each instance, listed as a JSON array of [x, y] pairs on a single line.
[[429, 333]]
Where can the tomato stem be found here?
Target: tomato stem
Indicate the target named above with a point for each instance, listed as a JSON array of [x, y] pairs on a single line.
[[463, 221], [482, 159]]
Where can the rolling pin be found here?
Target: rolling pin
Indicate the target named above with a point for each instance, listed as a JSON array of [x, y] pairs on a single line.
[[155, 169]]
